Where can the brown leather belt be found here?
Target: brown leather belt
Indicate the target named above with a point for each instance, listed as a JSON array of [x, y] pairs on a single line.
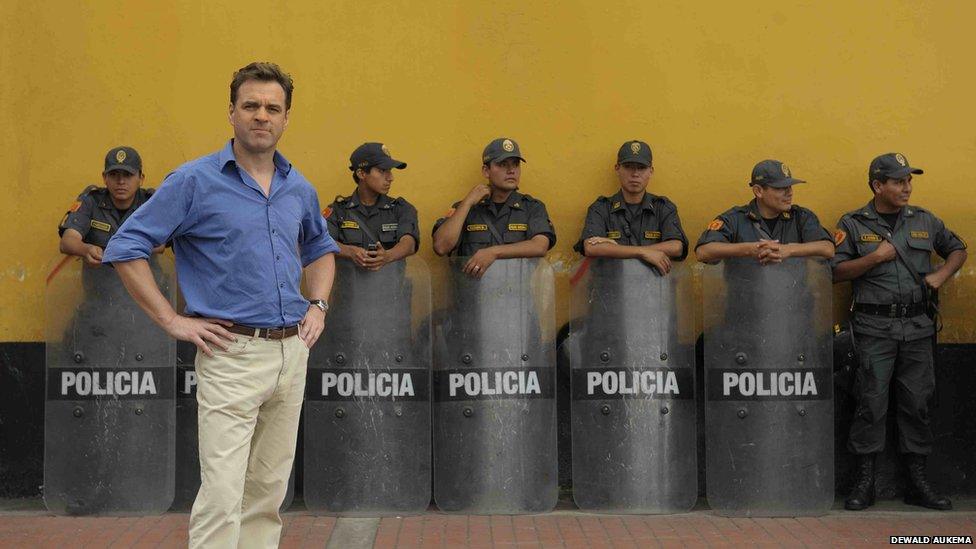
[[263, 333]]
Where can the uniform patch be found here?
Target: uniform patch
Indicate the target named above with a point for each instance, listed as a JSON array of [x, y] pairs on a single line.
[[786, 170], [326, 212], [349, 225], [900, 158], [839, 237], [786, 215], [74, 206], [508, 145], [615, 205], [716, 225], [919, 234], [389, 226], [518, 227], [652, 235], [101, 225], [476, 228], [870, 238], [635, 148], [120, 156], [613, 234]]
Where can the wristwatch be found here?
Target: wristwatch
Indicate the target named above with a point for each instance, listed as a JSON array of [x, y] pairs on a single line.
[[321, 304]]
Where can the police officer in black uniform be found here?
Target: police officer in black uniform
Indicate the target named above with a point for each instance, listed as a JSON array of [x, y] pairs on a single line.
[[99, 211], [495, 221], [770, 228], [634, 223], [371, 228], [885, 249]]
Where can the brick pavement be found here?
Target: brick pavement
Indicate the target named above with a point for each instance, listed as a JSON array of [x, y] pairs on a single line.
[[566, 528]]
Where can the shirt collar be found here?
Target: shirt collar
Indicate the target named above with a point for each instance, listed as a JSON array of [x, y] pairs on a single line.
[[513, 201], [226, 155], [617, 202], [752, 211], [383, 202]]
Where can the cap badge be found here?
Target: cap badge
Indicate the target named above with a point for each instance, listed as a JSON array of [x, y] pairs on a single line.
[[786, 170], [900, 159], [120, 156], [635, 148], [386, 151], [508, 145]]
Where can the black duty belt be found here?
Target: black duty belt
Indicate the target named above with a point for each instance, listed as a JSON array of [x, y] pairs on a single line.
[[893, 310], [264, 333]]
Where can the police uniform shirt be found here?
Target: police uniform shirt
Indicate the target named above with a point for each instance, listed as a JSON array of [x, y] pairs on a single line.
[[655, 220], [389, 220], [96, 217], [796, 226], [519, 218], [918, 233]]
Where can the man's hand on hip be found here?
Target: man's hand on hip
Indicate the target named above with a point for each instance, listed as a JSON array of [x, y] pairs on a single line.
[[202, 332], [310, 328]]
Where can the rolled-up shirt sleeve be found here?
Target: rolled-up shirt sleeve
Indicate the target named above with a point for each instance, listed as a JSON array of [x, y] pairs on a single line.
[[156, 222], [316, 240]]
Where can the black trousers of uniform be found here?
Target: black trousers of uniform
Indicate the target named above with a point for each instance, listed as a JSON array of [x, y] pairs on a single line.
[[907, 364]]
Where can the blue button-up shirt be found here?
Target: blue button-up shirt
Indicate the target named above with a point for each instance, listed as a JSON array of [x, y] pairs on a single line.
[[239, 253]]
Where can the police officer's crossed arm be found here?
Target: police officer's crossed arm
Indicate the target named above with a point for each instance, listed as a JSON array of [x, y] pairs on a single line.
[[597, 244], [446, 236]]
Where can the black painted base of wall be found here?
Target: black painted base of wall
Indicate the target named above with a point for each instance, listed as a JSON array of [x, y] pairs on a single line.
[[952, 466]]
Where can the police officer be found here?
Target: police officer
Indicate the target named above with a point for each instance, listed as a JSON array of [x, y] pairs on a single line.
[[495, 221], [634, 223], [885, 249], [770, 228], [371, 228], [99, 211]]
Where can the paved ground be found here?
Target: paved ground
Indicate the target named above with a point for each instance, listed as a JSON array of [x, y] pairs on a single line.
[[26, 524]]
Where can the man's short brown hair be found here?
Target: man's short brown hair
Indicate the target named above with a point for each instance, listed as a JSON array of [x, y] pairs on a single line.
[[265, 72]]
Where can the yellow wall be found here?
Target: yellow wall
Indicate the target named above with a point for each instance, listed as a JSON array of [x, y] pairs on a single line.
[[713, 87]]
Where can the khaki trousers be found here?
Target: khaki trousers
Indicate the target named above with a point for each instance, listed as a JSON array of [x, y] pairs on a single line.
[[249, 401]]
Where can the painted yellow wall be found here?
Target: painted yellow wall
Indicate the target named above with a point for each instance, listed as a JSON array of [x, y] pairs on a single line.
[[713, 87]]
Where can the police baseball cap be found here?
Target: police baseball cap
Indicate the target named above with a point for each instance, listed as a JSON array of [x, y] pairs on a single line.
[[890, 166], [773, 173], [125, 159], [369, 155], [635, 151], [500, 149]]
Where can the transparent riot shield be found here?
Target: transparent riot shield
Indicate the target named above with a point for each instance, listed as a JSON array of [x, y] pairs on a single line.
[[367, 399], [494, 388], [632, 356], [768, 387], [109, 417], [187, 441]]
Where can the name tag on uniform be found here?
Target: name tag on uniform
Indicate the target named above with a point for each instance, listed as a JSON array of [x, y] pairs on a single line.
[[613, 234], [349, 225], [920, 234], [390, 226], [870, 238], [101, 225], [476, 228], [518, 227], [652, 235]]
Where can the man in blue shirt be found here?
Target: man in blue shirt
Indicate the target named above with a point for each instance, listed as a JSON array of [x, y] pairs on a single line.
[[244, 223]]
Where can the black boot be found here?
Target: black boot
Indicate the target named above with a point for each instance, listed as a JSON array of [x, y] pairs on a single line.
[[919, 491], [862, 495]]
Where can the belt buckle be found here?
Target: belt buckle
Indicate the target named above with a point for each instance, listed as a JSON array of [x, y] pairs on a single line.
[[271, 331], [893, 310], [904, 311]]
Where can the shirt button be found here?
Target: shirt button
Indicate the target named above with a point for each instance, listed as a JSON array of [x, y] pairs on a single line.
[[274, 231], [282, 285], [278, 257]]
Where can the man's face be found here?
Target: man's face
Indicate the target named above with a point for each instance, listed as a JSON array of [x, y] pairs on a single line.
[[894, 192], [122, 185], [503, 175], [377, 179], [259, 116], [633, 177], [777, 199]]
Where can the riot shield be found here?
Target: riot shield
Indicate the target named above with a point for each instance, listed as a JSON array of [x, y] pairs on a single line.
[[768, 388], [494, 389], [187, 442], [109, 413], [367, 399], [632, 357]]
